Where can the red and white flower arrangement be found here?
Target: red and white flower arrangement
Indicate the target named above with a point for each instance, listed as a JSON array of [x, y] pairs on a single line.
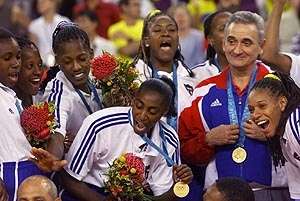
[[117, 78], [38, 122], [126, 178]]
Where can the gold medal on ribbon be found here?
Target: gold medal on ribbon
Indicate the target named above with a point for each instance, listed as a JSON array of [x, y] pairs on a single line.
[[181, 189], [239, 155]]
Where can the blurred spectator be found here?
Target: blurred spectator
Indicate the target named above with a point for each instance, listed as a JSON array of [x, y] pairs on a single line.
[[289, 26], [65, 8], [249, 5], [37, 188], [199, 9], [238, 5], [269, 6], [229, 5], [126, 34], [296, 44], [107, 13], [229, 189], [41, 29], [146, 7], [15, 15], [162, 5], [88, 21], [191, 40]]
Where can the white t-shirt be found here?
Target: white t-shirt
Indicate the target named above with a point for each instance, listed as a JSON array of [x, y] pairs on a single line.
[[14, 145], [43, 31], [291, 149], [70, 110], [106, 135]]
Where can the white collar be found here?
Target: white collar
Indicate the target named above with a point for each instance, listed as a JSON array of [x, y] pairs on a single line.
[[8, 90], [181, 71]]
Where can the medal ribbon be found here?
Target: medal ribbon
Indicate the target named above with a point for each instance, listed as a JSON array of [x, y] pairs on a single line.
[[234, 117], [162, 151], [96, 96], [172, 121], [19, 106]]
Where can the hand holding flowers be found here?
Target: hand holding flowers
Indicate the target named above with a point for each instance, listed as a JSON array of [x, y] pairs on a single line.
[[38, 123]]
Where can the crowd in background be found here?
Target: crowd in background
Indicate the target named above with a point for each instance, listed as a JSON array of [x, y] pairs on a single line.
[[108, 22]]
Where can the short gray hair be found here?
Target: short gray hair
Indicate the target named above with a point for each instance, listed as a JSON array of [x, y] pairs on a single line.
[[44, 182], [247, 17]]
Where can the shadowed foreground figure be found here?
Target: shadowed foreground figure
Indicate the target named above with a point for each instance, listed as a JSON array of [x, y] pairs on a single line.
[[229, 189], [37, 188]]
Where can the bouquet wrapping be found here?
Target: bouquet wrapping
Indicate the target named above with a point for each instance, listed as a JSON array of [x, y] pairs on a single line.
[[38, 122], [117, 78], [126, 178]]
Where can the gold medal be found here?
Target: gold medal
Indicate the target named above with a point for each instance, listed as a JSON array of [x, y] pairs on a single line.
[[239, 155], [181, 189]]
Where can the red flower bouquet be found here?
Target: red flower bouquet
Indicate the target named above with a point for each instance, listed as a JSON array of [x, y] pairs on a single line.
[[38, 123], [117, 78], [126, 178], [103, 66]]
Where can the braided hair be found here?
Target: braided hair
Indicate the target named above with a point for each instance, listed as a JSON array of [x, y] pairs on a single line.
[[284, 86], [144, 52], [66, 32]]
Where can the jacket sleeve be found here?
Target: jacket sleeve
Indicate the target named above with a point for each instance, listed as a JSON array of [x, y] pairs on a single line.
[[194, 149]]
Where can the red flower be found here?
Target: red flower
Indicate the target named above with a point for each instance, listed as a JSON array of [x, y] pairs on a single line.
[[37, 120], [103, 66], [123, 172], [116, 190], [126, 177], [135, 162], [44, 134]]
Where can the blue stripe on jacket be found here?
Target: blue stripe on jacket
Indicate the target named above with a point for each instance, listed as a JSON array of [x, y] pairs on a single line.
[[294, 122], [55, 96], [90, 136]]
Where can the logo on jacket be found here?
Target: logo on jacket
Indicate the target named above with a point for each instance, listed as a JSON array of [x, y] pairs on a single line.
[[143, 147], [216, 103], [296, 156], [189, 88], [11, 111]]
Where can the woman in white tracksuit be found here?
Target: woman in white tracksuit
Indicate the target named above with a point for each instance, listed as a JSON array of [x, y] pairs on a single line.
[[274, 105]]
